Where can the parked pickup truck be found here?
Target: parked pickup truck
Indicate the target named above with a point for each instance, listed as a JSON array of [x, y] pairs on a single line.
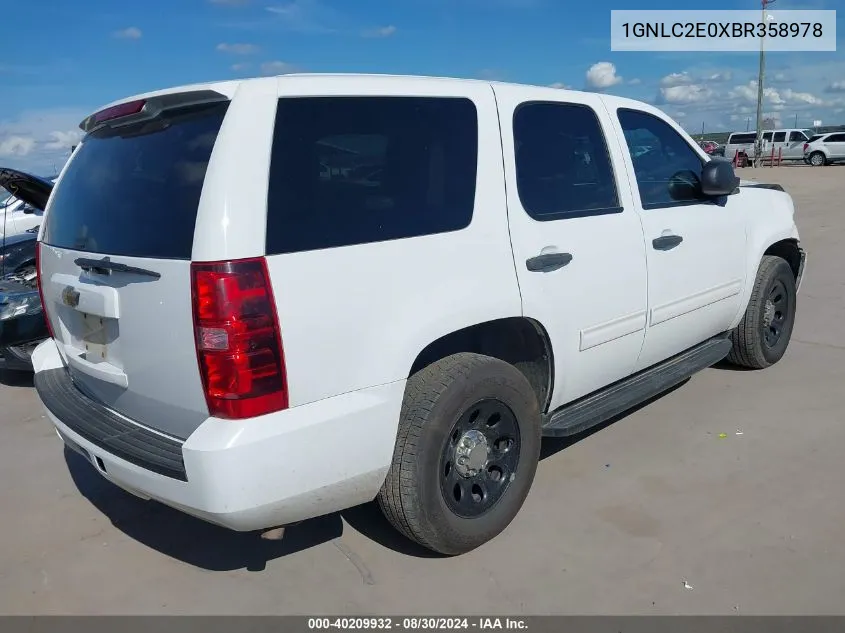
[[246, 328]]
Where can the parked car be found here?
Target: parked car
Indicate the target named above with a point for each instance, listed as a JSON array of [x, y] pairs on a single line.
[[789, 142], [825, 149], [294, 345], [22, 324]]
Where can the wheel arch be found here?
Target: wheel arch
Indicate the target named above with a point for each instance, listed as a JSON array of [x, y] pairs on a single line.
[[783, 243], [519, 341]]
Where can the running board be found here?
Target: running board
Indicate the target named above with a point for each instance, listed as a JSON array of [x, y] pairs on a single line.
[[627, 393]]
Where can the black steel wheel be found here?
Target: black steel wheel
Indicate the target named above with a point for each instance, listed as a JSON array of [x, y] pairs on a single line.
[[479, 458], [775, 312], [466, 453], [763, 334]]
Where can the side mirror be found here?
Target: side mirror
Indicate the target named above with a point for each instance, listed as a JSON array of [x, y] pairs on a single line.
[[718, 178]]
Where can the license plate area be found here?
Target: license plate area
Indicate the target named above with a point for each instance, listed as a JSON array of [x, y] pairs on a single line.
[[95, 338]]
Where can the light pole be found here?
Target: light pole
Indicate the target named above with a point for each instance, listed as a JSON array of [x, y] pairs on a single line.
[[758, 143]]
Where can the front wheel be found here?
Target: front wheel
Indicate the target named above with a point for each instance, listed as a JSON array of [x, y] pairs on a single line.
[[466, 453], [761, 338]]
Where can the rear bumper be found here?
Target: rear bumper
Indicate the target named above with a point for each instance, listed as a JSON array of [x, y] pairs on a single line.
[[277, 469]]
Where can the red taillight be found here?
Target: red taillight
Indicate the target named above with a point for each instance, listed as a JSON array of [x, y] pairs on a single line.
[[806, 145], [39, 280], [238, 339], [122, 109]]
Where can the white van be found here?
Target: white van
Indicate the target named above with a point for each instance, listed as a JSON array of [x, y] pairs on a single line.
[[790, 142]]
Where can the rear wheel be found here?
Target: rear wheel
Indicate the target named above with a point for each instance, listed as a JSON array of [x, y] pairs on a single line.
[[466, 453], [817, 159], [761, 338]]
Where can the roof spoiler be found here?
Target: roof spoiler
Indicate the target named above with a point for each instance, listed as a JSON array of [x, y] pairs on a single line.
[[138, 110]]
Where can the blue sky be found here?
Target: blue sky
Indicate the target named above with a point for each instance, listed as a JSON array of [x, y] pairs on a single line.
[[62, 61]]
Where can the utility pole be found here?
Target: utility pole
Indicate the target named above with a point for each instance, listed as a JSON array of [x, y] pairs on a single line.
[[747, 123], [796, 120], [758, 144]]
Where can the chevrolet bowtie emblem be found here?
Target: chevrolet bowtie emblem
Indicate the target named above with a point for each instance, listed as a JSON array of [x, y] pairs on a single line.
[[70, 297]]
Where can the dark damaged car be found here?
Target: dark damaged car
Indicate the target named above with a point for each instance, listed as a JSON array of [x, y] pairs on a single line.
[[22, 324]]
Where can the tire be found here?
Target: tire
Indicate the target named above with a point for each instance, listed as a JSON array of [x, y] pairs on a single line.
[[452, 400], [771, 307], [817, 159]]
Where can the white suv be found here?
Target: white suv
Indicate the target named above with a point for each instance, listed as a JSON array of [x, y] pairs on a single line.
[[277, 298]]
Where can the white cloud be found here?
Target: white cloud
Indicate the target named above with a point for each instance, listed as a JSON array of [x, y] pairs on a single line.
[[774, 97], [676, 79], [791, 96], [130, 33], [725, 75], [636, 81], [836, 86], [559, 84], [62, 140], [16, 145], [383, 31], [240, 67], [277, 68], [237, 49], [602, 75], [686, 94], [40, 140]]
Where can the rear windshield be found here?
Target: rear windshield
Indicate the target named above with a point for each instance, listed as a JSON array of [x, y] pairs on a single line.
[[135, 190], [815, 137]]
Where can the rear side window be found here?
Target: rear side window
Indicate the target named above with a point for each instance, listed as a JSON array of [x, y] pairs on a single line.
[[835, 138], [741, 139], [135, 190], [779, 137], [356, 170], [563, 167]]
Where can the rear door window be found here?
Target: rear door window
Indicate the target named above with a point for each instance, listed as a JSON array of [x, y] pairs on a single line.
[[780, 137], [738, 139], [356, 170], [563, 167], [134, 190]]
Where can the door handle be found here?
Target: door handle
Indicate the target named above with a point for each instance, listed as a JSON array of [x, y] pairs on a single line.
[[666, 242], [548, 262]]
